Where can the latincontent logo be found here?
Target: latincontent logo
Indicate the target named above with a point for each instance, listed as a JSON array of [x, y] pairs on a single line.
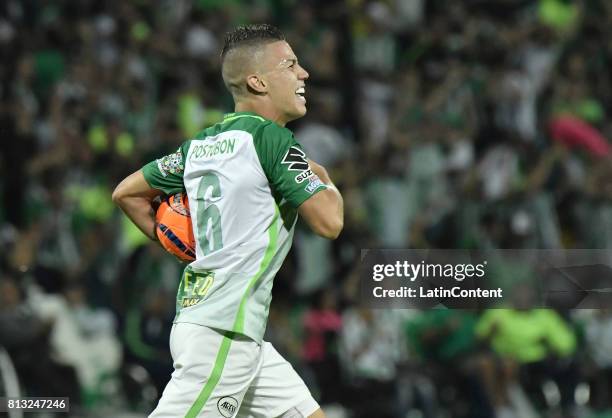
[[482, 279]]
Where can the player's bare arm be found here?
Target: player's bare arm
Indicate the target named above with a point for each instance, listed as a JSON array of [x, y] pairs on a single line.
[[324, 212], [134, 196]]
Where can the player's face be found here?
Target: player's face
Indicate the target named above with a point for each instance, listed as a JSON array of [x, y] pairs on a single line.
[[286, 81]]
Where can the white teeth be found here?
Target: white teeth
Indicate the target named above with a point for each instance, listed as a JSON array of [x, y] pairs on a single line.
[[301, 90]]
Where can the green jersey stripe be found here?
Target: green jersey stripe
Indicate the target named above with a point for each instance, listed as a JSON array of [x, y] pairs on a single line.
[[265, 262], [238, 324], [213, 379]]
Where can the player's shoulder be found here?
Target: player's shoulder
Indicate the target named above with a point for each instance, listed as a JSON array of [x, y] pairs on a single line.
[[272, 133], [258, 126], [264, 132]]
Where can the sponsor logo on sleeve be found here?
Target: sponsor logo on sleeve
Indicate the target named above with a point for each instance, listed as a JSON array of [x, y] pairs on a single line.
[[304, 175], [295, 159], [314, 182]]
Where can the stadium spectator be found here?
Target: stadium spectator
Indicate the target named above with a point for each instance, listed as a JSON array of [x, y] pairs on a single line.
[[28, 338], [537, 344]]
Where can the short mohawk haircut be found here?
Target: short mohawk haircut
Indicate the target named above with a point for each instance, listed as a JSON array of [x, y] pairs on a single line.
[[250, 35]]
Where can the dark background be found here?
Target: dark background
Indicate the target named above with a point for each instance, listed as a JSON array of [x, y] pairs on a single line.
[[445, 124]]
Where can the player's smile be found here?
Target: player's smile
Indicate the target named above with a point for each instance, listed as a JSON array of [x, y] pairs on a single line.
[[300, 92], [286, 77]]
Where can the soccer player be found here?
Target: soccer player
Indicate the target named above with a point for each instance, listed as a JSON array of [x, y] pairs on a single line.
[[247, 179]]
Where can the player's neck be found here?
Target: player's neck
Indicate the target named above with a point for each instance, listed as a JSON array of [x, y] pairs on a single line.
[[262, 108]]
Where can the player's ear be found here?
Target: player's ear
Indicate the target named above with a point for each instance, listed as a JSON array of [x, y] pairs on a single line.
[[256, 84]]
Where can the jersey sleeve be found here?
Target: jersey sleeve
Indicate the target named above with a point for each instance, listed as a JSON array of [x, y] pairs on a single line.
[[166, 173], [286, 166]]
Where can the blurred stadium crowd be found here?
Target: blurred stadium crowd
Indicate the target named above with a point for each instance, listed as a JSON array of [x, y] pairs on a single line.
[[445, 123]]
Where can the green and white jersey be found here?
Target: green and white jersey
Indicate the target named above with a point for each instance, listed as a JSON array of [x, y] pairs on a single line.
[[245, 178]]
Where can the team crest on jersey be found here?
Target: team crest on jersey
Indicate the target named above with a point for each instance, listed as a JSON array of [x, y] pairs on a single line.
[[172, 164], [295, 159], [227, 406], [313, 183]]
